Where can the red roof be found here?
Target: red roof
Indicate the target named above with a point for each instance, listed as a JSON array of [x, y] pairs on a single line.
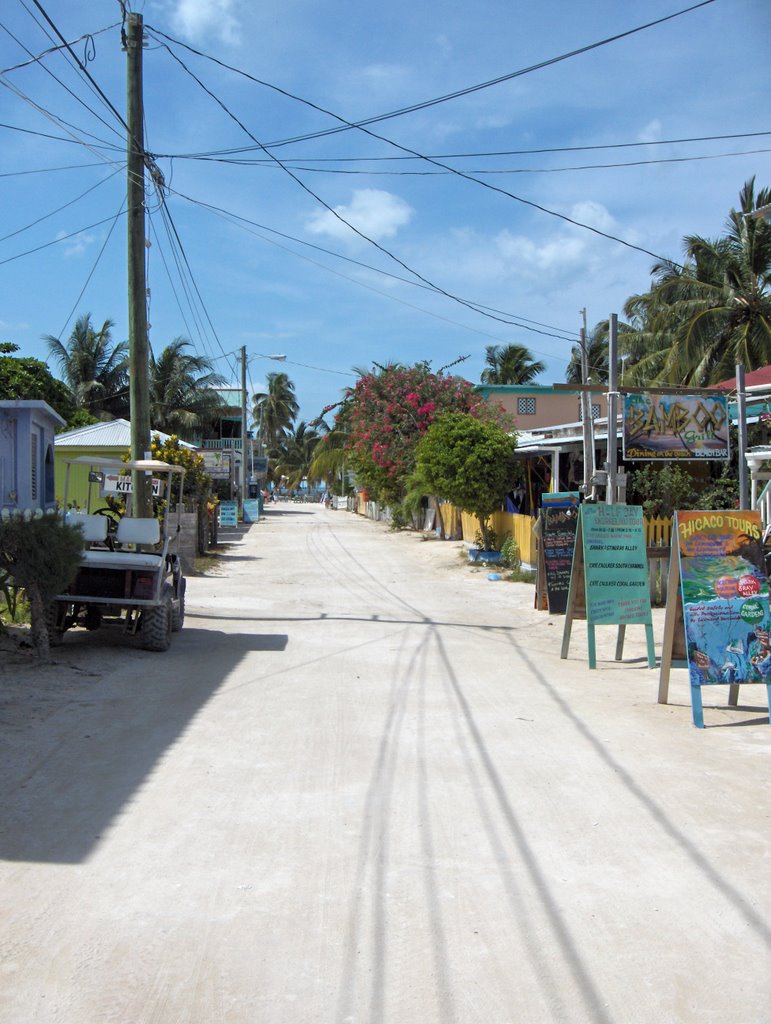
[[751, 379]]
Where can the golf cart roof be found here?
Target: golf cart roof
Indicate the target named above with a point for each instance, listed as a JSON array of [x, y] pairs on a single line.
[[142, 465]]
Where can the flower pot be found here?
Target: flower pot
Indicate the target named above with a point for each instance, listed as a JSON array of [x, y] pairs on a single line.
[[479, 555]]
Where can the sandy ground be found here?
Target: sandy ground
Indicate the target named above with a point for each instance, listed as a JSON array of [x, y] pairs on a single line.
[[362, 787]]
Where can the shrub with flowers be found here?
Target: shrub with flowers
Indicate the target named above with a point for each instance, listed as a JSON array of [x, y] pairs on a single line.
[[388, 412]]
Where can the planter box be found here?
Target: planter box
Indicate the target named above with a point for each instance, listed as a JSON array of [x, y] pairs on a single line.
[[485, 557]]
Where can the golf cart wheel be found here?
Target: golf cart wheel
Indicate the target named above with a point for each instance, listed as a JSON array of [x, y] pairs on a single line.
[[156, 624], [178, 614]]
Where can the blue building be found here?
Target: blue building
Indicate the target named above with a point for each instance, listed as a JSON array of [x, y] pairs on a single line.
[[27, 430]]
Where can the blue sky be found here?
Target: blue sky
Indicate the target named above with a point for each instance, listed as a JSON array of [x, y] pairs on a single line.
[[245, 249]]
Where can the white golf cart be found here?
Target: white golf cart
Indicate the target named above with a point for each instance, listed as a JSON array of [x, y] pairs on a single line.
[[130, 572]]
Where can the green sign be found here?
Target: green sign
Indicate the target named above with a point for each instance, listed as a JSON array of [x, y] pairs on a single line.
[[610, 571], [615, 564]]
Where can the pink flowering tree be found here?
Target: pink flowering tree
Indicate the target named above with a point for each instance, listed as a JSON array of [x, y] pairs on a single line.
[[387, 413]]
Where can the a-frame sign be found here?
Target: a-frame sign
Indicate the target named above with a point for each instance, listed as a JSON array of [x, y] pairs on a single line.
[[717, 605], [609, 578]]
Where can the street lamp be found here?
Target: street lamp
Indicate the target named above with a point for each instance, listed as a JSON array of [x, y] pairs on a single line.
[[279, 358]]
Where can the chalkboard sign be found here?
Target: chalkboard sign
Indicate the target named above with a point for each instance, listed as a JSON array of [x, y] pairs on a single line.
[[558, 537]]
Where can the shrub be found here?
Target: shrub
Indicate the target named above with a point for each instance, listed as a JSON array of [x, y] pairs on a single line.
[[40, 554]]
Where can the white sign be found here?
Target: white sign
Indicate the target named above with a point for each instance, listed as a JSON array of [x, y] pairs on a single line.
[[115, 483]]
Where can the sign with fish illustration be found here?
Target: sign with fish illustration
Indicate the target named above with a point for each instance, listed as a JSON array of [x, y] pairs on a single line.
[[724, 597]]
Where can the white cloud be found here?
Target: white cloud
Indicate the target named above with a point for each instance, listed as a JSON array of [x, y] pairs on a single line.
[[196, 18], [373, 212], [78, 244], [651, 132], [595, 215]]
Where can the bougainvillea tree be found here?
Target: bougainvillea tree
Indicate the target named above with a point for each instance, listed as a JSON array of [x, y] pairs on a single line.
[[388, 412]]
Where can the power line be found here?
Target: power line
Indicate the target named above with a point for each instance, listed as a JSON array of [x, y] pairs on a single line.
[[347, 125], [483, 154], [55, 241], [58, 80], [405, 149], [510, 319], [93, 268], [84, 71], [59, 209], [368, 172]]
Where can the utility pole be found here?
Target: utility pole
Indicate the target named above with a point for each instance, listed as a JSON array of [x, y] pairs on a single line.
[[612, 466], [139, 386], [741, 415], [586, 414], [244, 438]]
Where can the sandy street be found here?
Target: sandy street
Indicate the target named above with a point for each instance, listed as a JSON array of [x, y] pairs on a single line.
[[362, 788]]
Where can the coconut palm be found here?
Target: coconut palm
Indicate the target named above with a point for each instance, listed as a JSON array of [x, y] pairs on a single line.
[[510, 364], [293, 456], [94, 368], [702, 318], [275, 410], [183, 395]]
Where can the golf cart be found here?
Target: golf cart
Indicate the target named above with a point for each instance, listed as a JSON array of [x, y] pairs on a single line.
[[130, 572]]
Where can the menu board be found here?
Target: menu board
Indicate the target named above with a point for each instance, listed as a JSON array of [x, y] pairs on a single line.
[[724, 589], [558, 537], [251, 510], [615, 564]]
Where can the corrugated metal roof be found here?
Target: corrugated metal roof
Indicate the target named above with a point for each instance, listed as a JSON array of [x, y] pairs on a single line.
[[110, 434]]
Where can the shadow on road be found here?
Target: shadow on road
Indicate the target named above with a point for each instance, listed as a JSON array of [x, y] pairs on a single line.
[[79, 751]]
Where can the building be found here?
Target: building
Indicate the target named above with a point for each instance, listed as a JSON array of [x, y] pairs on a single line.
[[27, 429]]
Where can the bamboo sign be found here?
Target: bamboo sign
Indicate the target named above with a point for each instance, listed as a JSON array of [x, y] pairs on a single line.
[[675, 426]]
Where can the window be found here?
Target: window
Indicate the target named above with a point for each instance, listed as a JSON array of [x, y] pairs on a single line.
[[596, 411], [526, 407], [34, 469]]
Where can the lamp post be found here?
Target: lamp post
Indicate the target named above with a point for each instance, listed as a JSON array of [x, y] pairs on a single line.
[[279, 358]]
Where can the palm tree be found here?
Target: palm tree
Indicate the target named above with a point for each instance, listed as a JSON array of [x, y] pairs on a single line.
[[293, 456], [94, 368], [596, 345], [330, 455], [182, 390], [275, 410], [702, 318], [510, 364]]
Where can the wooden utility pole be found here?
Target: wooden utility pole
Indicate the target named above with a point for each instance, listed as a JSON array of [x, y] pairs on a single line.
[[244, 432], [613, 396], [139, 385]]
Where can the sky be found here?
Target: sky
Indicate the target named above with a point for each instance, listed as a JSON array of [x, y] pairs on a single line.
[[570, 162]]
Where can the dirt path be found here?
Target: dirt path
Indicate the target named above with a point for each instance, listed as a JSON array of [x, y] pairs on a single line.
[[362, 788]]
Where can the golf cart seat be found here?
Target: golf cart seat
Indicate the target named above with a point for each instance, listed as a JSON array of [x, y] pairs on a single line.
[[130, 531], [93, 528]]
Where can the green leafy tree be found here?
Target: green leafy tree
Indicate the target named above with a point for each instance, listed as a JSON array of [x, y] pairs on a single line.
[[468, 462], [661, 489], [510, 364], [183, 396], [94, 367], [387, 413], [275, 410], [197, 485], [31, 380], [41, 555]]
